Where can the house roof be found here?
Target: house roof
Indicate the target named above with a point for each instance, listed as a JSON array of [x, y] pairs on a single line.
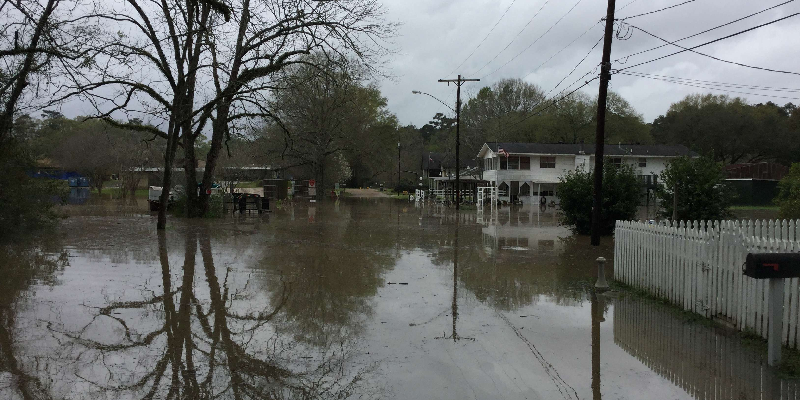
[[642, 150]]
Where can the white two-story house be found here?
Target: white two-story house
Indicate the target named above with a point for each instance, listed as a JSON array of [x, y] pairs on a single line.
[[525, 171]]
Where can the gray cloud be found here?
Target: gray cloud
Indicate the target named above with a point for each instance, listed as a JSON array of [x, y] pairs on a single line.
[[437, 35]]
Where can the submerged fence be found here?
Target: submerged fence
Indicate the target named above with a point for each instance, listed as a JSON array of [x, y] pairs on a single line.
[[698, 265]]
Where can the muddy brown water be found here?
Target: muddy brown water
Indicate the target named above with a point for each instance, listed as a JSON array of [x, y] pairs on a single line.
[[370, 298]]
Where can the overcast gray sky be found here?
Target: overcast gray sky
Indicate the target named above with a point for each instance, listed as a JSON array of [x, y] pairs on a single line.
[[437, 35]]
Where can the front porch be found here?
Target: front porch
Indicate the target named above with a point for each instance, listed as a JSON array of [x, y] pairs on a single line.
[[527, 192]]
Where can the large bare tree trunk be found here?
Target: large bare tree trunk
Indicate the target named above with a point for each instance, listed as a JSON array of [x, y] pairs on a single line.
[[169, 160], [219, 125]]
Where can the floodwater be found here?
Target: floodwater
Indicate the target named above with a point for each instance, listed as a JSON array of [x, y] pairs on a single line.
[[363, 299]]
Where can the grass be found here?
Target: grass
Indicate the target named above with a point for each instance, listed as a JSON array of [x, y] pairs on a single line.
[[117, 192], [249, 185], [754, 208]]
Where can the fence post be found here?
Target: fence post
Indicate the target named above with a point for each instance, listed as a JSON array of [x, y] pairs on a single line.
[[601, 285], [775, 321]]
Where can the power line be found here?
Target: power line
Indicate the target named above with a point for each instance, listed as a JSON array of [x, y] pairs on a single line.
[[715, 83], [655, 11], [537, 39], [575, 67], [629, 3], [515, 38], [711, 87], [717, 40], [484, 38], [564, 48], [717, 58], [705, 31], [552, 103]]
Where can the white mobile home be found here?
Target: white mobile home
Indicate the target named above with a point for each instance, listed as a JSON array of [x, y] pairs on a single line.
[[523, 172]]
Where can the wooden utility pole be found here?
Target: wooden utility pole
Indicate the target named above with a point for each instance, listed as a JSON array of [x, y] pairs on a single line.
[[458, 83], [600, 136]]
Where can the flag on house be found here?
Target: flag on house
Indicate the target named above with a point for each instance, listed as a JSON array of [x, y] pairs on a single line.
[[502, 152]]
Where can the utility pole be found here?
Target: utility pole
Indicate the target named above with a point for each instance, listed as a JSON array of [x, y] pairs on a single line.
[[600, 136], [460, 81]]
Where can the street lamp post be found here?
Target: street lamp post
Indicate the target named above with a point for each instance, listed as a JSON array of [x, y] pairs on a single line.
[[398, 163], [458, 101]]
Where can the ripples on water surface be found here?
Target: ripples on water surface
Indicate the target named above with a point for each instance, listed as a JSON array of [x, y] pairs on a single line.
[[361, 299]]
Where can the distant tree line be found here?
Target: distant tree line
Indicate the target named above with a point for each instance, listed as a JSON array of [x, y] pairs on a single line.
[[730, 130]]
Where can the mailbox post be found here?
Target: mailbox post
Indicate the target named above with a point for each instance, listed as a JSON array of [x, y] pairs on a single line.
[[776, 267]]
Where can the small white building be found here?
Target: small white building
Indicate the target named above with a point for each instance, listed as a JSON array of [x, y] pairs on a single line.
[[525, 171]]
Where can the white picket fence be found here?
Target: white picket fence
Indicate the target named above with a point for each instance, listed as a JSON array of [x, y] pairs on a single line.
[[698, 265]]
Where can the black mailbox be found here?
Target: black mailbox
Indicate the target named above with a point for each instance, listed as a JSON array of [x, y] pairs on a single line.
[[772, 265]]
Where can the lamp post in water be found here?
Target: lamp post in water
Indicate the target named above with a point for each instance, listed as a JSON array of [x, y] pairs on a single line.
[[398, 164], [457, 138]]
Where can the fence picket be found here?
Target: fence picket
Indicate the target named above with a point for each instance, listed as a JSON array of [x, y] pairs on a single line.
[[697, 265]]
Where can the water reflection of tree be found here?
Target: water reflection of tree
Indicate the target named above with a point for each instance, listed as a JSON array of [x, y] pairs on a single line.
[[195, 339], [334, 269], [22, 264]]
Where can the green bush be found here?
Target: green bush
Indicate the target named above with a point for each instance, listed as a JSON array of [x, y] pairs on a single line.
[[406, 185], [788, 199], [621, 192], [215, 206], [702, 191]]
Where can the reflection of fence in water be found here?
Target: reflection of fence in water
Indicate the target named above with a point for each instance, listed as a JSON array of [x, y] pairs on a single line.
[[698, 265], [698, 358]]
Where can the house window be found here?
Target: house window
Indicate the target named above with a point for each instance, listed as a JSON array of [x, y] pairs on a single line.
[[503, 189], [525, 163], [503, 162], [616, 161], [547, 162], [513, 162], [642, 162]]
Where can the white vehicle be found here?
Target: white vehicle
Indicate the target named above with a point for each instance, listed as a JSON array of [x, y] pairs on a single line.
[[154, 196]]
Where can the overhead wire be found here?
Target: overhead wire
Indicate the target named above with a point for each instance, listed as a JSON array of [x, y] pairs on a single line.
[[515, 38], [484, 38], [707, 30], [552, 103], [626, 5], [564, 48], [685, 49], [537, 39], [709, 87], [717, 83], [659, 10]]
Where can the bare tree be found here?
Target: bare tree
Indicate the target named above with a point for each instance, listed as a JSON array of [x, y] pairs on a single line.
[[197, 66], [33, 35]]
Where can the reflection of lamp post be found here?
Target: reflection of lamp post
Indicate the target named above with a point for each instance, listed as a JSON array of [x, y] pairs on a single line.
[[598, 306]]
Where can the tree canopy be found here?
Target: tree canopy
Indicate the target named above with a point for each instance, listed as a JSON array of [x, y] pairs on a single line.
[[730, 130]]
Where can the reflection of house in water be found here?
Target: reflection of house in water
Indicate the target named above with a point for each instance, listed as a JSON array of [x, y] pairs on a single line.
[[700, 359], [524, 228]]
